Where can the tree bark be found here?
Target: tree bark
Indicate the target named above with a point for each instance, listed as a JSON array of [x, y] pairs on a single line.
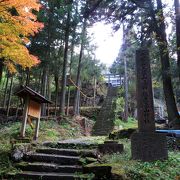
[[77, 92], [1, 69], [9, 97], [70, 68], [94, 99], [49, 94], [44, 89], [177, 14], [126, 89], [27, 77], [56, 79], [125, 32], [5, 91], [63, 87], [39, 82]]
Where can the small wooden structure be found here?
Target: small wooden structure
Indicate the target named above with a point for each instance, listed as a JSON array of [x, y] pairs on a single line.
[[32, 108]]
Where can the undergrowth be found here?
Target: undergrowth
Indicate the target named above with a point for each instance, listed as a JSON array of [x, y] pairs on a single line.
[[49, 130], [127, 169], [120, 124]]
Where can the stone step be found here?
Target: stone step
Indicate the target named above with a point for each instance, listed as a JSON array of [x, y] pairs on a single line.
[[68, 152], [98, 128], [65, 152], [48, 167], [78, 145], [102, 130], [67, 145], [105, 122], [101, 133], [59, 159], [46, 176]]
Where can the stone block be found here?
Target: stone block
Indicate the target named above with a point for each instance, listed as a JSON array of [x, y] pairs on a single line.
[[110, 147], [100, 172], [148, 146]]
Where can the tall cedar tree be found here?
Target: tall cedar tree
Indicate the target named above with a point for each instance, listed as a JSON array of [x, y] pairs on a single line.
[[89, 8], [177, 13], [160, 30], [66, 41]]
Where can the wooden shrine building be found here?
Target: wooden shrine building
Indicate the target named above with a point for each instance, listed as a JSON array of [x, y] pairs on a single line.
[[32, 108]]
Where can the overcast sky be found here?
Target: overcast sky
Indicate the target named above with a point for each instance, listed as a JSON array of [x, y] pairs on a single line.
[[108, 43]]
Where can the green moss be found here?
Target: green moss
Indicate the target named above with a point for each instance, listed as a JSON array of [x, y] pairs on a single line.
[[90, 112], [23, 163], [6, 165], [131, 123]]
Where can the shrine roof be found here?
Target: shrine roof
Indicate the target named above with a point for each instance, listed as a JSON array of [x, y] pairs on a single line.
[[26, 91]]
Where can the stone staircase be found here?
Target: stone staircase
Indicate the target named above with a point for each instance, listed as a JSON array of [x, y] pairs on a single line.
[[55, 161], [105, 119]]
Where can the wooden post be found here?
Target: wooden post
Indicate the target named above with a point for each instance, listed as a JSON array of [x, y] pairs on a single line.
[[25, 115]]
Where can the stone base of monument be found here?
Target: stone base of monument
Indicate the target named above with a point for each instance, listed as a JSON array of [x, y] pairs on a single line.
[[148, 146], [110, 147]]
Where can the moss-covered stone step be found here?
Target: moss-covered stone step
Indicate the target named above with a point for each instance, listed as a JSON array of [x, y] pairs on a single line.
[[73, 145], [59, 159], [105, 119], [31, 175], [65, 152], [68, 152], [124, 133], [48, 167], [100, 132]]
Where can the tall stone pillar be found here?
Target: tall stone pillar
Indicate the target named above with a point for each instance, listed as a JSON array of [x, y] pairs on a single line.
[[146, 145]]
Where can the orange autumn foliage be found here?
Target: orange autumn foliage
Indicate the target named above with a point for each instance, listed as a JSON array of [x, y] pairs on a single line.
[[17, 23]]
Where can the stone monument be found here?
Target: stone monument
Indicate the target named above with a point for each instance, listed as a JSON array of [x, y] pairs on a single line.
[[146, 145]]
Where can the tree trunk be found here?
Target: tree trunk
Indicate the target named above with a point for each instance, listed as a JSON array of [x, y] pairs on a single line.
[[56, 79], [44, 89], [9, 97], [21, 76], [125, 32], [1, 69], [126, 89], [68, 101], [77, 96], [78, 101], [63, 87], [49, 93], [27, 77], [160, 29], [94, 99], [70, 68], [39, 82], [177, 13], [5, 91], [4, 81]]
